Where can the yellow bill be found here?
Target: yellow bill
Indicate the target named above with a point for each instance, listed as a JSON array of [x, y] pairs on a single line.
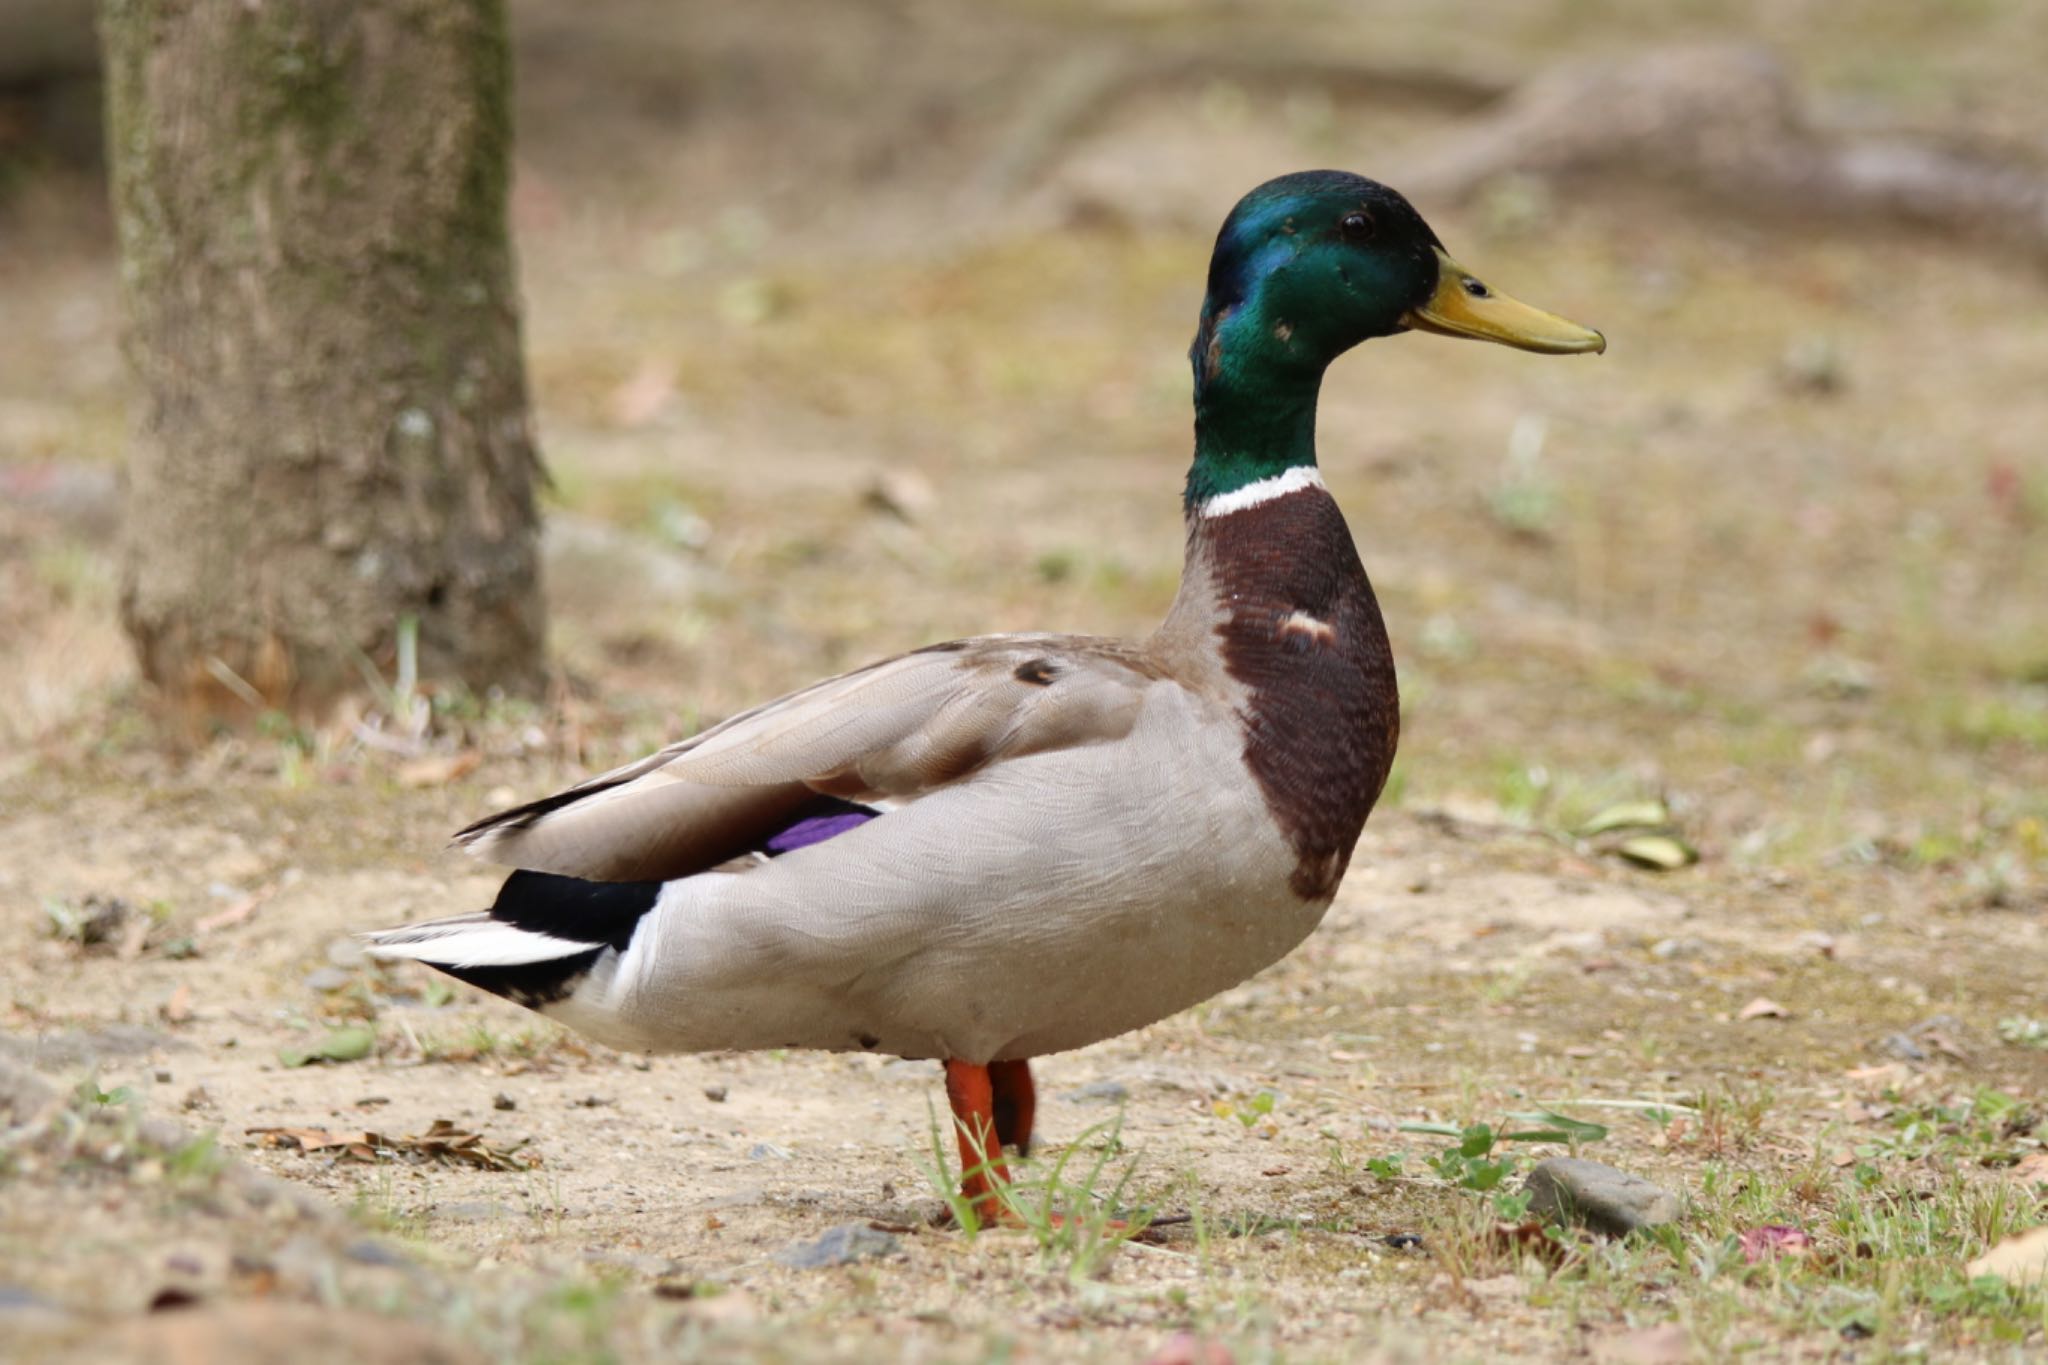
[[1464, 306]]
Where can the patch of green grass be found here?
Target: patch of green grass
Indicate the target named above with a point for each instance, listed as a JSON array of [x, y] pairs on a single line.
[[1250, 1111], [2018, 718], [484, 1039], [377, 1206], [1987, 1127], [1075, 1205], [573, 1323]]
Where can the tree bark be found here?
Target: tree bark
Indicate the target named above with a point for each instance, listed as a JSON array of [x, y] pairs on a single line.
[[332, 447]]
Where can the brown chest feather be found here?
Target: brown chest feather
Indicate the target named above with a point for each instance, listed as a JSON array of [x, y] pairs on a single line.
[[1303, 633]]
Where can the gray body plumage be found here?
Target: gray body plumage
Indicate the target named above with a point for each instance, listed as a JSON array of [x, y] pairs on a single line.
[[1071, 847]]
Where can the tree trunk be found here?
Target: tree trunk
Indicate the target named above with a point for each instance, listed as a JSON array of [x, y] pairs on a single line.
[[332, 447]]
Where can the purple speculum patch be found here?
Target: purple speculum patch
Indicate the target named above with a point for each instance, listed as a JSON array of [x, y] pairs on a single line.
[[816, 829]]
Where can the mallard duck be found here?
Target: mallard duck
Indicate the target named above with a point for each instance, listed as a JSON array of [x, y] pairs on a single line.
[[993, 849]]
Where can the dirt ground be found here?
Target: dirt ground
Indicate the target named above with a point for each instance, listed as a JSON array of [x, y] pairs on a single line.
[[815, 388]]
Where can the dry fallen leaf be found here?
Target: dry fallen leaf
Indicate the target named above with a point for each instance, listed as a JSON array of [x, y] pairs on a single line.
[[437, 770], [234, 914], [1627, 815], [1943, 1044], [442, 1143], [1774, 1239], [2033, 1166], [1532, 1236], [358, 1146], [1763, 1007], [1660, 852], [2016, 1260]]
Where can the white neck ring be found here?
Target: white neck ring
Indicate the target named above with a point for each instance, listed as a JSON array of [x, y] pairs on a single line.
[[1264, 490]]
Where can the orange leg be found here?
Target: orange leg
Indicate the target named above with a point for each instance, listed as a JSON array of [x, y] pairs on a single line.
[[993, 1105], [1016, 1104], [973, 1098]]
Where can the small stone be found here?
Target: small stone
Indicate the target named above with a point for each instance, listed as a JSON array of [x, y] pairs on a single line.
[[501, 1100], [15, 1299], [304, 1263], [326, 979], [1099, 1092], [1596, 1195], [842, 1245], [163, 1075], [1902, 1046], [903, 493], [369, 1251], [768, 1151], [1813, 365], [472, 1211], [715, 1093]]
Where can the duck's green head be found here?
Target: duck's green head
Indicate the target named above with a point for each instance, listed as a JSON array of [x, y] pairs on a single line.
[[1306, 267]]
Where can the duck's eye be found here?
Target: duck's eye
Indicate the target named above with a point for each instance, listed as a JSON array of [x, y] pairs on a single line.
[[1475, 288], [1357, 226]]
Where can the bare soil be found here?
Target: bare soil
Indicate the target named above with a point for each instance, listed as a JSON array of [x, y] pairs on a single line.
[[813, 391]]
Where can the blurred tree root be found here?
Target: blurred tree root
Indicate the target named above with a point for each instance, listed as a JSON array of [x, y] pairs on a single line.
[[1725, 121]]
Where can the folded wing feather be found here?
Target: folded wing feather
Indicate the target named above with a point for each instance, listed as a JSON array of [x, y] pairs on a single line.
[[896, 729]]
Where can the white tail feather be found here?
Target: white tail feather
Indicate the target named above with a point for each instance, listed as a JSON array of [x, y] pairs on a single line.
[[472, 941]]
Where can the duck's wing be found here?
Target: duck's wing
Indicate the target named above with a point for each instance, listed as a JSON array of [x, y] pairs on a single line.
[[887, 733]]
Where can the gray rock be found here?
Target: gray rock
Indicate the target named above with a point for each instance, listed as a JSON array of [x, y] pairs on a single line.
[[15, 1299], [82, 1049], [24, 1315], [1596, 1195], [327, 979], [1902, 1046], [306, 1264], [370, 1251], [768, 1151], [843, 1245], [1099, 1092]]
